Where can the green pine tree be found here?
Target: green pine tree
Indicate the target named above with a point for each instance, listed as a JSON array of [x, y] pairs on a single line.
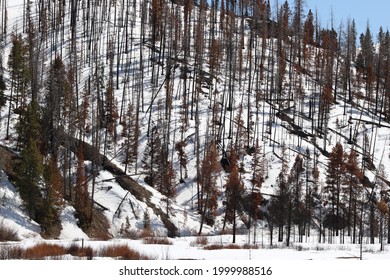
[[52, 196], [29, 170], [20, 73]]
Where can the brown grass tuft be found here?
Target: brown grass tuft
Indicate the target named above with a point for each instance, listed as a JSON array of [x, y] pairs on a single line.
[[53, 251], [42, 251]]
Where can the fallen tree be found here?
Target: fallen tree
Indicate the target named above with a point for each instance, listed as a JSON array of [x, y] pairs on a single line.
[[125, 181]]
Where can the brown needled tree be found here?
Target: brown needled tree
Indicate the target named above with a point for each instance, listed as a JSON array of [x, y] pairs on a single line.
[[234, 194]]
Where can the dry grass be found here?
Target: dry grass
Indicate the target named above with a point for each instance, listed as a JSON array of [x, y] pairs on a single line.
[[38, 252], [42, 251], [7, 234], [53, 251]]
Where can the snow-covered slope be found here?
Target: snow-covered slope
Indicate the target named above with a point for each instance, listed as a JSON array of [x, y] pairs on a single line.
[[12, 214], [104, 45]]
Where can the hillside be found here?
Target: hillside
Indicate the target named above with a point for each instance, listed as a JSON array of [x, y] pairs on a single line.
[[191, 118]]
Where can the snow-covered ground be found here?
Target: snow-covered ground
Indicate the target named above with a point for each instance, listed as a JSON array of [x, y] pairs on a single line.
[[186, 248], [12, 214]]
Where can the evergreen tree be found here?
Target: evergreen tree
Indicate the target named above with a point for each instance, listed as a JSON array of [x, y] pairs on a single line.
[[299, 213], [335, 218], [29, 170], [308, 29], [131, 132], [54, 108], [280, 205], [308, 36], [20, 77], [111, 112], [254, 198], [208, 193], [83, 120], [29, 178], [353, 178], [168, 184], [180, 148], [19, 69], [367, 48], [52, 196], [234, 194], [152, 161]]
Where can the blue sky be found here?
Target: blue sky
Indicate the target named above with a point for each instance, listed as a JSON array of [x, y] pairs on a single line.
[[376, 12]]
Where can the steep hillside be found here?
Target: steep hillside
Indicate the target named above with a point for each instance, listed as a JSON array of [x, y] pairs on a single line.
[[193, 118]]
